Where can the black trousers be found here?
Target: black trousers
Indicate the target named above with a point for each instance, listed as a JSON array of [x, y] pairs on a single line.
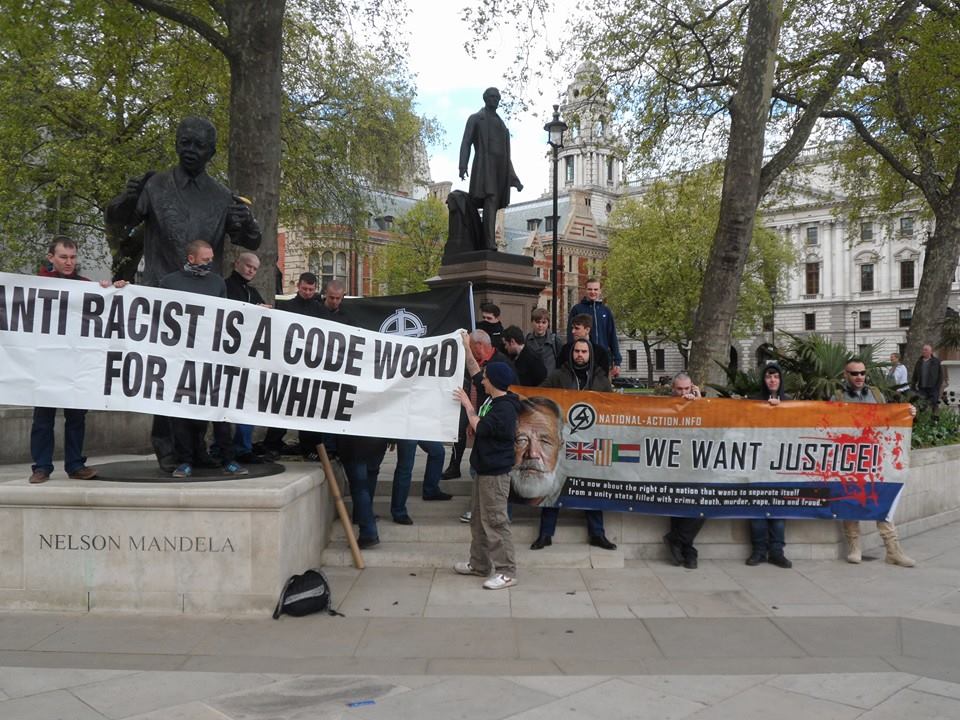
[[683, 531], [189, 442]]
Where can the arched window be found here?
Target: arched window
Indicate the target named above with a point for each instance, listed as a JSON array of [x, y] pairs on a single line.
[[326, 271], [341, 267], [313, 262]]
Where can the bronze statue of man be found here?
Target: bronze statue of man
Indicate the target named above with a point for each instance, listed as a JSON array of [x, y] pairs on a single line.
[[177, 207], [183, 204], [492, 174]]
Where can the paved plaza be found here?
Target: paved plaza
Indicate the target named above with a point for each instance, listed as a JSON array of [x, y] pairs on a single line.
[[822, 640]]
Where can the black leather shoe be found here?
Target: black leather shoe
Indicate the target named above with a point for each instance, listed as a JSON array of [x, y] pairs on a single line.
[[756, 558], [676, 552], [364, 543], [403, 520], [541, 542], [780, 561], [690, 563], [601, 541], [438, 496], [451, 473]]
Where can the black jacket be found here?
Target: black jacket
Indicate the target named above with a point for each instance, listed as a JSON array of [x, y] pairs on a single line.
[[493, 444], [239, 288], [298, 305], [529, 367], [565, 376]]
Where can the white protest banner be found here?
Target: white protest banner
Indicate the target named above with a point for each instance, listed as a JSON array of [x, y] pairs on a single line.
[[73, 344]]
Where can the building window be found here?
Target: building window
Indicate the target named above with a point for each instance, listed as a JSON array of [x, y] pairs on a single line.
[[609, 172], [906, 225], [813, 278], [659, 359], [548, 223], [866, 231], [631, 359], [586, 201], [904, 317], [812, 235], [313, 263], [864, 317], [599, 128], [866, 277], [341, 268], [809, 321], [533, 224], [568, 170], [907, 281], [902, 349], [326, 268]]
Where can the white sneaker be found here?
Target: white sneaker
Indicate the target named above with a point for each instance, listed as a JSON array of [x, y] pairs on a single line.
[[466, 517], [499, 582], [465, 568]]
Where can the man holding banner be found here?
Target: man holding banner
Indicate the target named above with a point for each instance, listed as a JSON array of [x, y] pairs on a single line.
[[62, 259], [683, 530], [856, 390]]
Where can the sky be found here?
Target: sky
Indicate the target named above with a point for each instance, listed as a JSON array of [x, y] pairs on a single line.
[[450, 87]]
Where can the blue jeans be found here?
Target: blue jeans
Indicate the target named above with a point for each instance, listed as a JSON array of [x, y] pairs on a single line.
[[549, 515], [243, 439], [41, 439], [403, 475], [362, 475], [768, 536]]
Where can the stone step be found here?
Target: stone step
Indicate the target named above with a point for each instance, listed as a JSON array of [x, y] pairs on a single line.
[[445, 554], [431, 530]]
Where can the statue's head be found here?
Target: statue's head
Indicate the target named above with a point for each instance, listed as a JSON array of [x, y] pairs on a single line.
[[196, 144], [491, 98]]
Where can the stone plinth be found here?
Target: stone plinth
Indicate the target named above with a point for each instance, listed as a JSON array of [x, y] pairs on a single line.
[[508, 280], [106, 432], [224, 547]]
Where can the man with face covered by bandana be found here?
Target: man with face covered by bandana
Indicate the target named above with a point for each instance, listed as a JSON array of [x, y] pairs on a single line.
[[197, 276]]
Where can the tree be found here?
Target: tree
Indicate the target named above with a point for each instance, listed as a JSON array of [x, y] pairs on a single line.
[[692, 76], [404, 264], [83, 113], [659, 253], [904, 111]]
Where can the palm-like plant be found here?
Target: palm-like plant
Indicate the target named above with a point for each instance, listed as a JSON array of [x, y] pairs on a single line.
[[813, 366]]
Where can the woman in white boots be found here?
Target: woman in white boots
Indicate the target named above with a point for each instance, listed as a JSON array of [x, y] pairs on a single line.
[[855, 389]]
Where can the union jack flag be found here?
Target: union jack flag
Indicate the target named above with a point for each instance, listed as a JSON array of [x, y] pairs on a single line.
[[580, 451]]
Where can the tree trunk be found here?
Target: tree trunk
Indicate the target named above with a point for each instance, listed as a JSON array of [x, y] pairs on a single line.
[[939, 266], [740, 197], [256, 34], [648, 353]]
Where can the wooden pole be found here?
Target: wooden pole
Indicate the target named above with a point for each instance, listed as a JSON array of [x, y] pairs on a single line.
[[341, 508]]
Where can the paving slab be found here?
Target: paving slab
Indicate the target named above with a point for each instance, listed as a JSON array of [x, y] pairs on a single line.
[[584, 639], [704, 689], [930, 641], [56, 705], [865, 690], [438, 638], [458, 697], [312, 636], [718, 603], [621, 700], [186, 711], [851, 636], [914, 705], [704, 638], [145, 692], [158, 634], [759, 702], [20, 682]]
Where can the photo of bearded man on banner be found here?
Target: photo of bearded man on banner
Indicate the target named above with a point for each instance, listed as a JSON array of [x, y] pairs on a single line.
[[536, 478]]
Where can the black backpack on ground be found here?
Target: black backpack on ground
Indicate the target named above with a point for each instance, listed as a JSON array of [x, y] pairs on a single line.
[[305, 594]]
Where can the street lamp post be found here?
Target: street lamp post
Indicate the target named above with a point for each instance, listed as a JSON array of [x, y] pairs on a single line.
[[555, 129], [773, 317], [853, 315]]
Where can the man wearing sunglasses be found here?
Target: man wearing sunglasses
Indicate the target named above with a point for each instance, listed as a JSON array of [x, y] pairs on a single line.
[[856, 390]]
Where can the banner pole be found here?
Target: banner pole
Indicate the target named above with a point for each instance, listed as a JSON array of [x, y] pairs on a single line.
[[341, 508]]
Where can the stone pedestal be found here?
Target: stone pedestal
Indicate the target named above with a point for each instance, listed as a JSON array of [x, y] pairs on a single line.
[[508, 280], [224, 547]]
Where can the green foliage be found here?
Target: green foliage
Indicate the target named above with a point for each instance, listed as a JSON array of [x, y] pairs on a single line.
[[931, 431], [659, 248], [404, 264], [813, 366], [92, 93]]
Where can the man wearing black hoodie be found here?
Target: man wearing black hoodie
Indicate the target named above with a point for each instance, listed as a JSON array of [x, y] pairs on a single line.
[[495, 428], [578, 372], [767, 535]]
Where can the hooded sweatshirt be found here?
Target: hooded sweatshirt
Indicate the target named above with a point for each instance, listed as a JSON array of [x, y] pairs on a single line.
[[604, 330], [569, 377], [493, 444]]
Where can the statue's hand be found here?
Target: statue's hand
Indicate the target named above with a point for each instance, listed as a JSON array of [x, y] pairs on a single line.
[[463, 173], [519, 186], [131, 193], [238, 217]]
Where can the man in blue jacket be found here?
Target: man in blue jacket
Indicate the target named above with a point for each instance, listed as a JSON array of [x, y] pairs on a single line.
[[604, 331]]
